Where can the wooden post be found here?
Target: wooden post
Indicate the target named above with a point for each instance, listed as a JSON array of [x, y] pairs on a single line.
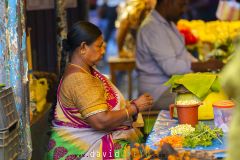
[[61, 25]]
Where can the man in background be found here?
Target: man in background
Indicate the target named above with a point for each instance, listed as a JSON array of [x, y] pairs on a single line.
[[161, 52]]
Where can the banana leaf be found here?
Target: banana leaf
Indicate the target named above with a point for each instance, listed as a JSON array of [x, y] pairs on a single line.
[[200, 84]]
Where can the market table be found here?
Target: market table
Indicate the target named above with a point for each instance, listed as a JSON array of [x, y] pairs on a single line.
[[161, 129]]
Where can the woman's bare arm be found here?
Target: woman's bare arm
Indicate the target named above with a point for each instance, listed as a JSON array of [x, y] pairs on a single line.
[[109, 120]]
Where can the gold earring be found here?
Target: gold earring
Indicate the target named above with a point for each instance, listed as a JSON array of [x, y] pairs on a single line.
[[82, 52]]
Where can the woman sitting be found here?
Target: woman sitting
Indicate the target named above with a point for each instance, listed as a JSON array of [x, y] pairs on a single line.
[[91, 120]]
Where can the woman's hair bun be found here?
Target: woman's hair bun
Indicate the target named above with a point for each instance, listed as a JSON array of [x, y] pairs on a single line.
[[66, 45]]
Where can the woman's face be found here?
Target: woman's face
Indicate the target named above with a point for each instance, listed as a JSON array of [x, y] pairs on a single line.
[[95, 51]]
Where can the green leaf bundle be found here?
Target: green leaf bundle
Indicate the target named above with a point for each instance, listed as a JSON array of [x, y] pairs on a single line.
[[202, 136]]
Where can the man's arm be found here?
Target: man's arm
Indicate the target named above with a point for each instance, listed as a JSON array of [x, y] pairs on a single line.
[[160, 47], [210, 65]]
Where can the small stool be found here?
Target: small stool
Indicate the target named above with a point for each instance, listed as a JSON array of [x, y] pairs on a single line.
[[122, 64]]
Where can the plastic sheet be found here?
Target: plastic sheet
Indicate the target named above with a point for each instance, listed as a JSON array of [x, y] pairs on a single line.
[[161, 129]]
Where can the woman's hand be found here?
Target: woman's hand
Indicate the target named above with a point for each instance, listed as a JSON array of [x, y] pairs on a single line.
[[144, 102]]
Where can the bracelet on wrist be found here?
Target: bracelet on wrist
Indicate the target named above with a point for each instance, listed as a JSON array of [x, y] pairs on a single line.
[[135, 105]]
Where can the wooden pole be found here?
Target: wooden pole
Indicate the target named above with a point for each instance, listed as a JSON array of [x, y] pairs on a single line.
[[61, 20]]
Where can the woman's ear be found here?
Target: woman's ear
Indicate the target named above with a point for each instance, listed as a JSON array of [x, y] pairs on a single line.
[[83, 48]]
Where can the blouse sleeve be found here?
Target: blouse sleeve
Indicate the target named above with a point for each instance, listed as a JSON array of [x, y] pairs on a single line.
[[88, 94]]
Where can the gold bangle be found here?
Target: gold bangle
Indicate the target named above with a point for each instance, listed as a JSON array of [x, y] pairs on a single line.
[[126, 110]]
